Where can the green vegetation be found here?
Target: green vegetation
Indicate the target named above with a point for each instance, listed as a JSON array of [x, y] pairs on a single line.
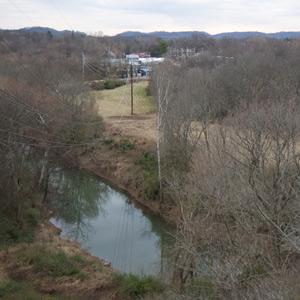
[[159, 49], [202, 288], [148, 162], [144, 92], [256, 271], [125, 145], [135, 287], [97, 85], [55, 264], [163, 47], [108, 141], [111, 84], [116, 102], [12, 290], [148, 91], [22, 229], [8, 287]]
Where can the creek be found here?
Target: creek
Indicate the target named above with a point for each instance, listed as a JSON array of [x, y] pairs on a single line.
[[108, 224]]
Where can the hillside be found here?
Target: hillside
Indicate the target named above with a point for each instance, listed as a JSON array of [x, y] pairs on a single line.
[[188, 34], [165, 35], [54, 32]]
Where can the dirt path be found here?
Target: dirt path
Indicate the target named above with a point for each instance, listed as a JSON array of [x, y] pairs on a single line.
[[141, 127]]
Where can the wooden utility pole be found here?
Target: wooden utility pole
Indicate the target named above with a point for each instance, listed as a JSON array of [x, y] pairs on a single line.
[[83, 65], [131, 83]]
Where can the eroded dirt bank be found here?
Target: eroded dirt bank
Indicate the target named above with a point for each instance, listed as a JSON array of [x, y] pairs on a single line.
[[118, 161]]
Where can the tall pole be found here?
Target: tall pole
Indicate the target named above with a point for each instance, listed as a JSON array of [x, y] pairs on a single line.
[[83, 65], [131, 83]]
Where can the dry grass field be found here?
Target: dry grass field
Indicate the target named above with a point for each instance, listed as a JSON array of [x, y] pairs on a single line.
[[114, 107], [116, 102]]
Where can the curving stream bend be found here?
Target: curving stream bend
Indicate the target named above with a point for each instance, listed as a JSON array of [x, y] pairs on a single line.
[[108, 224]]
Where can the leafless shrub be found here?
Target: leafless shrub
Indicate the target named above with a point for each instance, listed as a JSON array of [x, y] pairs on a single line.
[[235, 127]]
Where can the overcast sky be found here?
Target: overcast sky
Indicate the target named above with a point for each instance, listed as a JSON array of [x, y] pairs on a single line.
[[114, 16]]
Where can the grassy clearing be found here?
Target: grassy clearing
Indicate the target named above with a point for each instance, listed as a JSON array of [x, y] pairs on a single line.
[[53, 263], [135, 287], [116, 102]]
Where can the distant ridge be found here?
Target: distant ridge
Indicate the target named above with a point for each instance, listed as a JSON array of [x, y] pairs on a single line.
[[165, 35], [188, 34], [54, 32], [162, 34]]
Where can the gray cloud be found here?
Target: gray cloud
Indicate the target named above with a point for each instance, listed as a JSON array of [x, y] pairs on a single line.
[[112, 16]]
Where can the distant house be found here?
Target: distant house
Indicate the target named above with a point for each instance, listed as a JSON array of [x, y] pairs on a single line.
[[143, 54], [141, 63], [132, 59], [181, 52], [151, 60]]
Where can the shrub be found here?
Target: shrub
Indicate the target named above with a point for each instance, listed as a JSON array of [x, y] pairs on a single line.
[[108, 141], [97, 85], [202, 288], [56, 264], [32, 216], [12, 290], [16, 231], [148, 91], [110, 84], [126, 145], [253, 272], [8, 287], [135, 287], [148, 162]]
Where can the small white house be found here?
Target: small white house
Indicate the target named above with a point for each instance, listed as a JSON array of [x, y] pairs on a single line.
[[151, 60], [132, 59]]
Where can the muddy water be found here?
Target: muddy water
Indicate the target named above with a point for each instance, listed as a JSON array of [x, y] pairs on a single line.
[[108, 224]]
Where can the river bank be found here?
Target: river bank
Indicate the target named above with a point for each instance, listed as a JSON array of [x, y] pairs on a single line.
[[54, 268], [120, 161], [126, 161], [115, 161]]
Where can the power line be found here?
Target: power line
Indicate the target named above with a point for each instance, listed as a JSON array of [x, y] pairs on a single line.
[[12, 3], [92, 67], [17, 101], [49, 143], [60, 12]]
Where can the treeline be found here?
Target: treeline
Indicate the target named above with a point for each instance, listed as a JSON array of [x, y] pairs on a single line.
[[45, 111], [28, 47], [228, 146]]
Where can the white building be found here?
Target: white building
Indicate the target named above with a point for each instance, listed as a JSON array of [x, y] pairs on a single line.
[[132, 59]]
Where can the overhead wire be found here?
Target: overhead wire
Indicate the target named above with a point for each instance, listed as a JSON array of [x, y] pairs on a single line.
[[56, 144], [12, 3], [34, 138], [26, 106], [60, 12]]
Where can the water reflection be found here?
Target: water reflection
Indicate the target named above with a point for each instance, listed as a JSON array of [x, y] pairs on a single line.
[[77, 200], [106, 223]]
